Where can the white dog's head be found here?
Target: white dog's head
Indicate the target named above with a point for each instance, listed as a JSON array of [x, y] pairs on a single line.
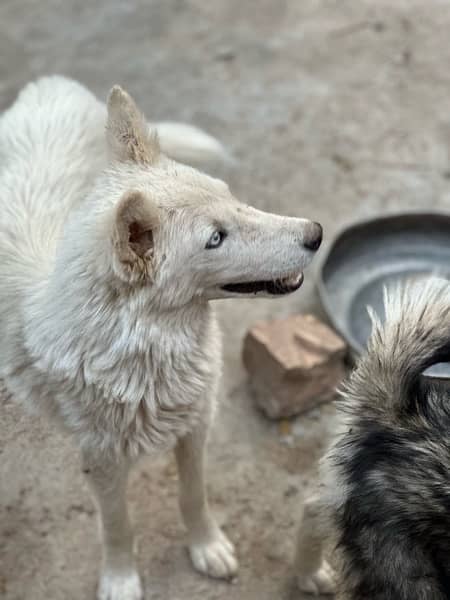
[[156, 224]]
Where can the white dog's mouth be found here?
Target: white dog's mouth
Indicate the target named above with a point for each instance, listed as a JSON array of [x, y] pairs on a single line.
[[276, 287]]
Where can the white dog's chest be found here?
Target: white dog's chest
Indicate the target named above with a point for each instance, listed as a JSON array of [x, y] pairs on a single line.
[[136, 406], [171, 406], [176, 400]]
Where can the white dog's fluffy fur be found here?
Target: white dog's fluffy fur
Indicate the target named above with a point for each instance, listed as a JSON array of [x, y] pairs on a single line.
[[109, 255]]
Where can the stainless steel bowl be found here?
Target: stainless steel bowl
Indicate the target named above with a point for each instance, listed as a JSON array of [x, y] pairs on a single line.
[[370, 254]]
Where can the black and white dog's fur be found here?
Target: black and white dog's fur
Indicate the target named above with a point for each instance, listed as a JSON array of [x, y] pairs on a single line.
[[386, 481]]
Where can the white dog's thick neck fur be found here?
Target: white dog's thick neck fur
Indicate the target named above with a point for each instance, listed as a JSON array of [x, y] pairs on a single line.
[[120, 349]]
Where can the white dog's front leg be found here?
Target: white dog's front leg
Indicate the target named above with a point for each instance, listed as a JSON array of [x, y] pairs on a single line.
[[210, 550], [108, 480]]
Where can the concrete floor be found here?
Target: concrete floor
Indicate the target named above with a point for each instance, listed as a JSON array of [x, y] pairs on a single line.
[[335, 110]]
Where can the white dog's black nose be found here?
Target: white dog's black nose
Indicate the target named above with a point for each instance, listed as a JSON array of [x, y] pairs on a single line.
[[313, 236]]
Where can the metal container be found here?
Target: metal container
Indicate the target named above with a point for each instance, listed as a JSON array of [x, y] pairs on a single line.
[[371, 254]]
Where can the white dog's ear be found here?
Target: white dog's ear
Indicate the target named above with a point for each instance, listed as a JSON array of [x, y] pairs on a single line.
[[136, 220], [128, 135]]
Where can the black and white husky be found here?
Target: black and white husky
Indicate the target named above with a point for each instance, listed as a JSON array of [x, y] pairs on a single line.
[[386, 481]]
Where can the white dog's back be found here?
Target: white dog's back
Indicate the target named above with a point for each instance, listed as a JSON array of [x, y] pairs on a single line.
[[45, 138]]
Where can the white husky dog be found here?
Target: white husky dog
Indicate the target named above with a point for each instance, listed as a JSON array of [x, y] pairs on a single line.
[[109, 255]]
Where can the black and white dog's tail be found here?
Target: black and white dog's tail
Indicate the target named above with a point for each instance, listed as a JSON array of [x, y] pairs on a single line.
[[415, 335], [392, 465]]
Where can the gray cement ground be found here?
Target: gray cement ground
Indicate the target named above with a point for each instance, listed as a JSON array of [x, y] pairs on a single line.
[[335, 110]]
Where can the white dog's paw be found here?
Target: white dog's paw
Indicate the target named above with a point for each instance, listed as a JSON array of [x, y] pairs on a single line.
[[319, 583], [215, 557], [120, 586]]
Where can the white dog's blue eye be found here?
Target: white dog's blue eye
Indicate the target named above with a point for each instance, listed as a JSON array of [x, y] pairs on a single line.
[[215, 240]]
